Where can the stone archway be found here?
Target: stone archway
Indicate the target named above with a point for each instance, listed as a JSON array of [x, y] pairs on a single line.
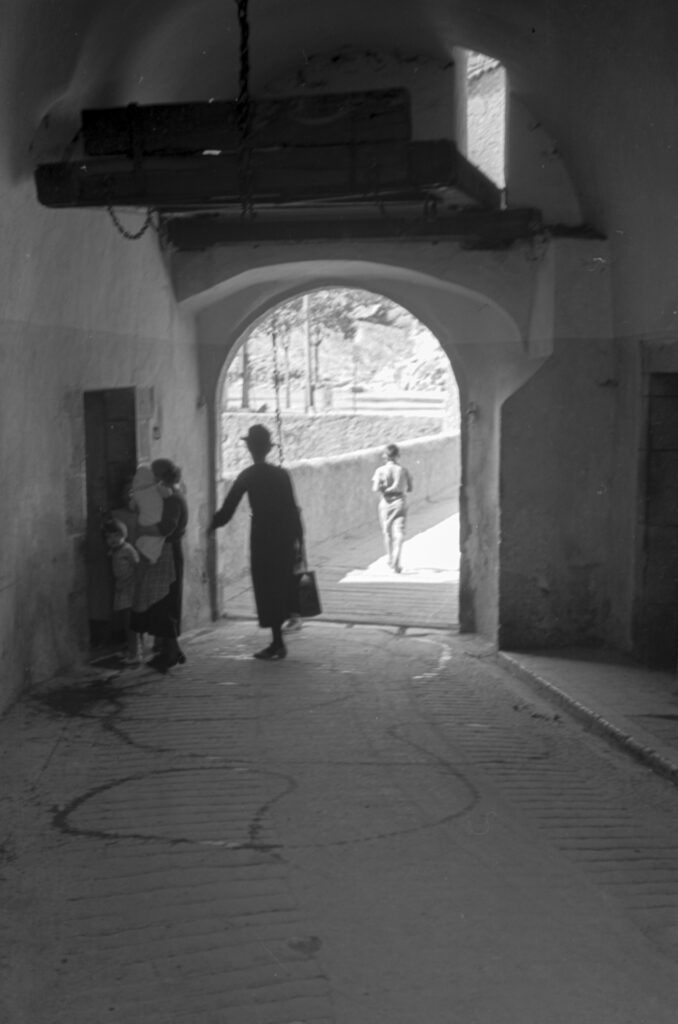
[[479, 306]]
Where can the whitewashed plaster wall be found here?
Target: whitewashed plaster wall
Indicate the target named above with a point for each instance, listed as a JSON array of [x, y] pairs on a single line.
[[430, 83], [570, 480], [536, 173], [81, 308], [567, 553]]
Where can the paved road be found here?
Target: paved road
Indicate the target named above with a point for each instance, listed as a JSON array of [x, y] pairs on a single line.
[[356, 584], [383, 828]]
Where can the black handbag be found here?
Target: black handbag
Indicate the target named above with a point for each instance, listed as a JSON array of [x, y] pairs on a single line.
[[308, 598]]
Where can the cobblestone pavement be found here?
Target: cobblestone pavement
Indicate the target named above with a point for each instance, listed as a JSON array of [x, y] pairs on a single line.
[[385, 827]]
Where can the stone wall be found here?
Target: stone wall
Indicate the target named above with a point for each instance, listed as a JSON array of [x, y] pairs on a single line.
[[336, 498], [563, 571], [304, 436]]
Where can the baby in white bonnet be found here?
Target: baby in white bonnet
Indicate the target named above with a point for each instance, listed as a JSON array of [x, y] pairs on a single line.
[[148, 502]]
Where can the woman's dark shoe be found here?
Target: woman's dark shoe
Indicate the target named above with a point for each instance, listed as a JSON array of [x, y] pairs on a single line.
[[160, 664], [181, 657], [276, 652]]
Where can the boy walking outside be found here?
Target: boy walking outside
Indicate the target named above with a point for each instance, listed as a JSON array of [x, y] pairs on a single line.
[[392, 482]]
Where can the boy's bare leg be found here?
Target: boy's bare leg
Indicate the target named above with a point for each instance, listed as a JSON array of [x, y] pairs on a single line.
[[398, 538], [386, 534]]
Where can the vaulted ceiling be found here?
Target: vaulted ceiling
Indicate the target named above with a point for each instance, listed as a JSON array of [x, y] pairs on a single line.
[[582, 68], [598, 76]]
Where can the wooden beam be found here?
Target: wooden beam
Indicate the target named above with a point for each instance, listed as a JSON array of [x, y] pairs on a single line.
[[190, 128], [283, 175], [479, 229]]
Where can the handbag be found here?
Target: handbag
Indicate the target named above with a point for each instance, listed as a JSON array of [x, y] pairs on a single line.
[[308, 598], [306, 594]]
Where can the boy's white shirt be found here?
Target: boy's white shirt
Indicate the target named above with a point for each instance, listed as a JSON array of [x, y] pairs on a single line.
[[392, 475]]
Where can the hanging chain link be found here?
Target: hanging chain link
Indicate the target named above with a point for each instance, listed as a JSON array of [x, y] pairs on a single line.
[[243, 24], [276, 387], [244, 114], [133, 236], [136, 147]]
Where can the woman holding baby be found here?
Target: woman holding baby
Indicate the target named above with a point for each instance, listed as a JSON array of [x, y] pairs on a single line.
[[157, 606]]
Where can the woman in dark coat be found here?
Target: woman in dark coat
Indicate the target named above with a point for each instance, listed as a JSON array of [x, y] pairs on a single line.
[[275, 537], [157, 608]]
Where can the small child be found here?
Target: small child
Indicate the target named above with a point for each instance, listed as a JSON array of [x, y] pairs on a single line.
[[147, 501], [125, 564]]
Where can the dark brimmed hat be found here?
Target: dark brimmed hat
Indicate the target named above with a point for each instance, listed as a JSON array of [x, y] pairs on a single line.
[[258, 437]]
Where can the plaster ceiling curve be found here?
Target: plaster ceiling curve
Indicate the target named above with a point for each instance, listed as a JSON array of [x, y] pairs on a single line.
[[122, 51], [165, 51], [276, 45], [455, 313]]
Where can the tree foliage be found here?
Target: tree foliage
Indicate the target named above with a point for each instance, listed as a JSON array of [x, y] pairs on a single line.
[[348, 337]]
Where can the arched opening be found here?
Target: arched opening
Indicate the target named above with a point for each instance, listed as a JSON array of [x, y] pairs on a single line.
[[477, 310], [337, 373]]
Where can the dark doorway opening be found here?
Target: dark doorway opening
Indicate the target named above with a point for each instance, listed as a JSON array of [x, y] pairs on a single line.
[[657, 618], [110, 463]]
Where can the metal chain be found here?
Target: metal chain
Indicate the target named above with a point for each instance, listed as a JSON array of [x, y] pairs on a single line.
[[133, 236], [245, 181], [244, 113], [243, 24], [276, 386]]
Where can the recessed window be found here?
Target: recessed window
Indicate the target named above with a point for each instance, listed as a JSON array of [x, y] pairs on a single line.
[[486, 115]]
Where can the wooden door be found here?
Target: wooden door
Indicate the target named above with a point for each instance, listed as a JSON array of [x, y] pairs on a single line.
[[110, 459], [658, 607]]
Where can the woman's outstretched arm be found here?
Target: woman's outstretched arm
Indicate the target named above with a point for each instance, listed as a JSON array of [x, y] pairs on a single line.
[[231, 502]]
